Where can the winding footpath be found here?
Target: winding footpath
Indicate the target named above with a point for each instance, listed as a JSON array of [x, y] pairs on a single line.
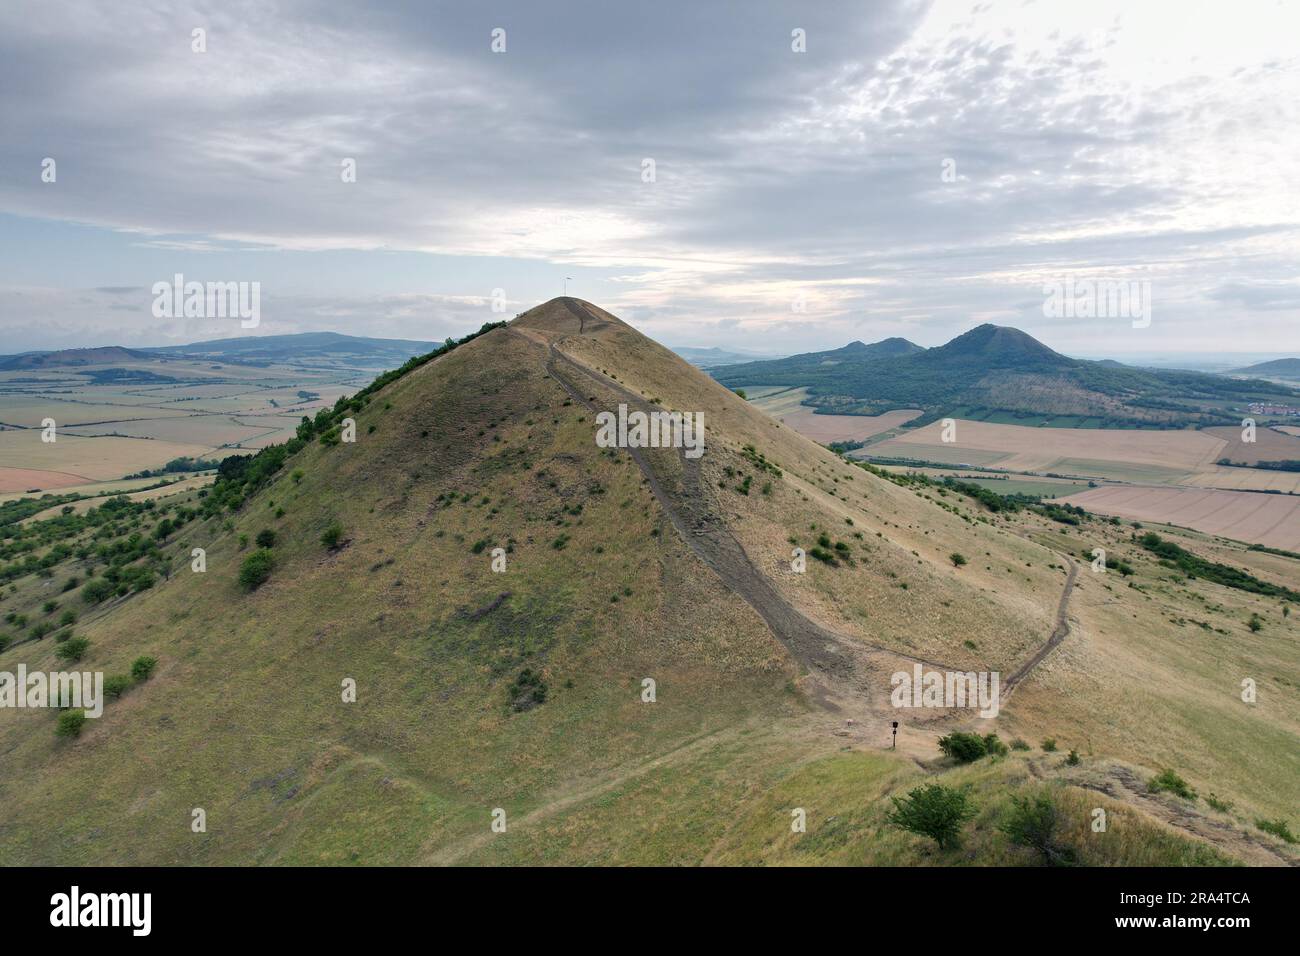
[[835, 662]]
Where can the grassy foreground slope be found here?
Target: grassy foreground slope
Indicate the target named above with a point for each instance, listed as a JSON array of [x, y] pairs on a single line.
[[770, 687]]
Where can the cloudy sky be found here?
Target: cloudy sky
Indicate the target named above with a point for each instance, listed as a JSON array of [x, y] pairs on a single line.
[[919, 168]]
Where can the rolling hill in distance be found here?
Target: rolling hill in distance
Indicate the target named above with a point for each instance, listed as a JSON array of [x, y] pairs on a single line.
[[485, 611], [71, 358], [713, 356], [302, 348], [1287, 368], [996, 373]]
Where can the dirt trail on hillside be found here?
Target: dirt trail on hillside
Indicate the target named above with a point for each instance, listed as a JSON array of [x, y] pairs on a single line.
[[841, 669], [843, 672], [1058, 633], [703, 532]]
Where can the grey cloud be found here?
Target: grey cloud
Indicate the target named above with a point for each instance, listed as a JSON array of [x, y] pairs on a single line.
[[1266, 296], [774, 168]]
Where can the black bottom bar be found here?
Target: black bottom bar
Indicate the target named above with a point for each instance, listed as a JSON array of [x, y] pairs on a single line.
[[529, 906]]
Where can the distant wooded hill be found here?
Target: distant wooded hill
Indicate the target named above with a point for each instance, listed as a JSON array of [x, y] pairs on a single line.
[[1002, 374]]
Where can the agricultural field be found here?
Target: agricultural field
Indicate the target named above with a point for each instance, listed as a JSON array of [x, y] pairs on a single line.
[[67, 410], [785, 405], [1152, 475], [1005, 485], [1246, 479], [27, 463], [1019, 448], [130, 415], [1269, 445], [1271, 520], [211, 431]]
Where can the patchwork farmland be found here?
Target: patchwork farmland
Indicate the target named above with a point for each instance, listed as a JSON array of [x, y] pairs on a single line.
[[1270, 520], [124, 417], [1160, 476]]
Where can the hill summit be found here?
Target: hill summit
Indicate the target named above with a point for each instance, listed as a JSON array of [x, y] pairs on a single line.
[[998, 347]]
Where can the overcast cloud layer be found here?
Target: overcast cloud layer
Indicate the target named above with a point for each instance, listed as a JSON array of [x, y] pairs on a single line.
[[798, 200]]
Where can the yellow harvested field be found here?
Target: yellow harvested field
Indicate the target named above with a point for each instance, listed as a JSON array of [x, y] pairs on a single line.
[[212, 431], [1272, 520], [1044, 449], [776, 400], [785, 406], [26, 462], [829, 428], [1269, 445], [273, 430], [32, 479], [29, 412], [1246, 479]]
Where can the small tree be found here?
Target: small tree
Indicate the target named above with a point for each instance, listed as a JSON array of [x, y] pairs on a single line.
[[142, 667], [256, 569], [266, 538], [98, 590], [963, 747], [934, 811], [72, 650], [957, 559], [1032, 824], [332, 535], [70, 722], [994, 746], [116, 685]]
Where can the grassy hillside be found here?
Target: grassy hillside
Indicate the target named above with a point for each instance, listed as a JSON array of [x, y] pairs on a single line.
[[1005, 375], [523, 689]]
